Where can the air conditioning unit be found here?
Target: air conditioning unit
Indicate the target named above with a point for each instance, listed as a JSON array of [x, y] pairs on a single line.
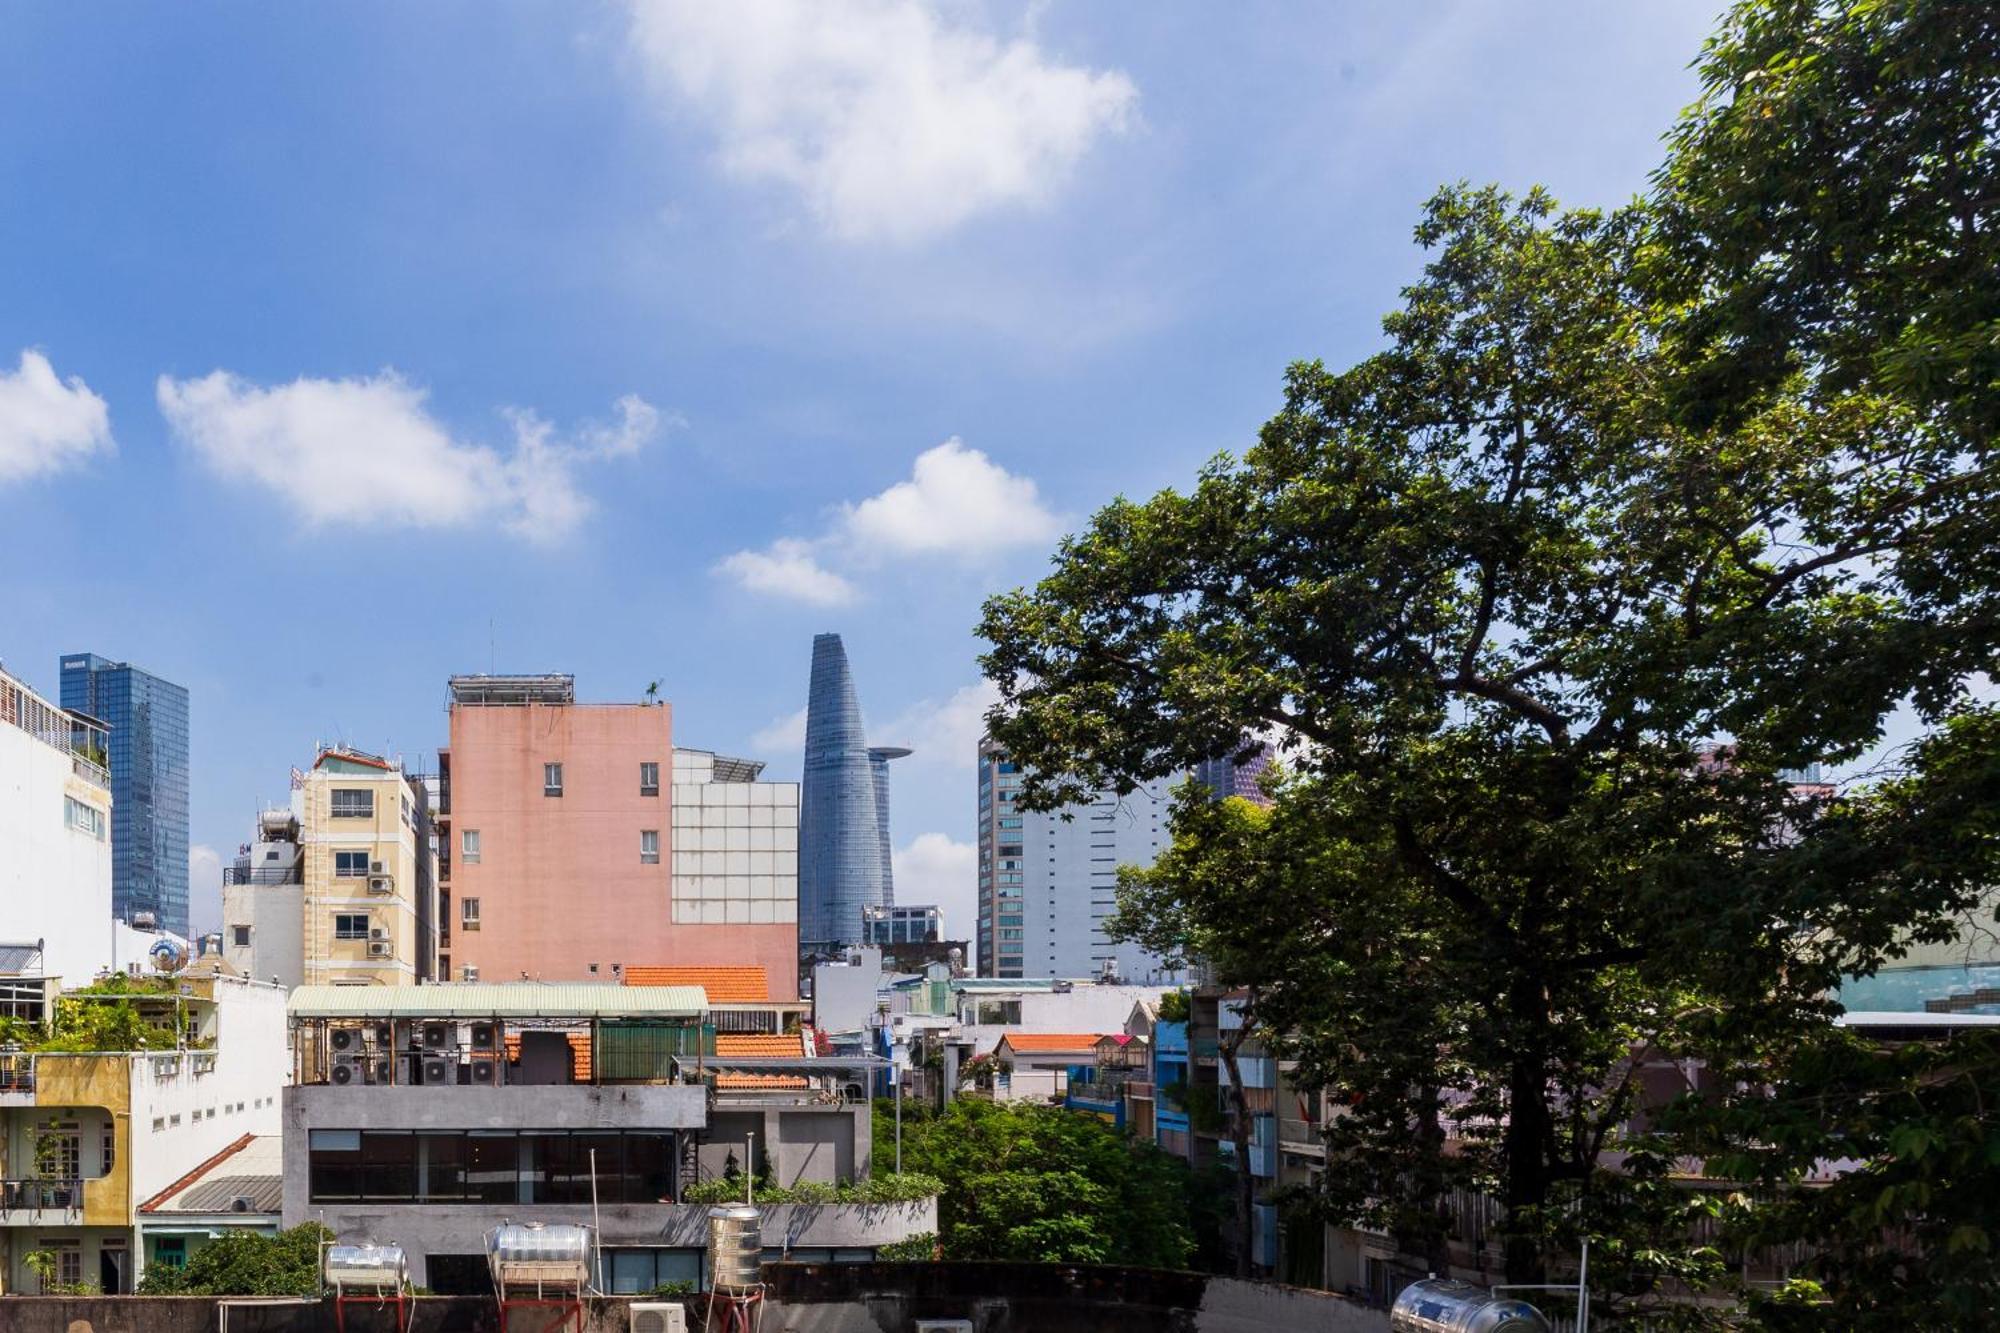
[[440, 1036], [346, 1073], [378, 932], [482, 1037], [374, 867], [468, 973], [385, 1035], [381, 884], [379, 949], [242, 1203], [440, 1071], [482, 1072], [658, 1317], [343, 1039], [382, 1072]]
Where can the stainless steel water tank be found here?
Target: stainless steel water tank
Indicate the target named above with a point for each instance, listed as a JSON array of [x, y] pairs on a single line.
[[1440, 1305], [735, 1247], [373, 1268], [536, 1254]]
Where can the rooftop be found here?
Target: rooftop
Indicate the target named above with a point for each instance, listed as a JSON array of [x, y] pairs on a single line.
[[1041, 1042], [513, 690], [738, 1044], [500, 999], [252, 1170], [723, 985]]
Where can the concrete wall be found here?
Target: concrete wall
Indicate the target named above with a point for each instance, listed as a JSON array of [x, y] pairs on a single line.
[[187, 1108], [55, 881]]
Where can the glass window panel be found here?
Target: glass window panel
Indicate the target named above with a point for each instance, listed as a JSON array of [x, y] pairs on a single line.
[[441, 1167], [389, 1166], [492, 1168]]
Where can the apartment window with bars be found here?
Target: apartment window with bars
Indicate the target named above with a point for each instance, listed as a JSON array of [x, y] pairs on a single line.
[[552, 779], [649, 779], [350, 865], [649, 847], [353, 803], [468, 914], [350, 925], [468, 846]]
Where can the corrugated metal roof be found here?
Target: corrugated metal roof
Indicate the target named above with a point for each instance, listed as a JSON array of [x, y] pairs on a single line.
[[251, 1168], [500, 999]]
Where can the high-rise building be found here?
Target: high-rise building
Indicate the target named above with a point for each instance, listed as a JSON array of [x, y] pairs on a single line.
[[558, 830], [338, 888], [844, 850], [148, 744], [55, 829], [1048, 881], [903, 925], [1237, 773]]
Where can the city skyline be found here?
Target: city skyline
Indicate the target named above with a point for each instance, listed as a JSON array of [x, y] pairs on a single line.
[[338, 349]]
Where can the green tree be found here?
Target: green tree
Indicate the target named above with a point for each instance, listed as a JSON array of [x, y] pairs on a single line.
[[1041, 1184], [246, 1263], [1500, 599]]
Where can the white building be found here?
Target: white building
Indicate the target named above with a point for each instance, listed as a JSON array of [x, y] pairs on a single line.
[[1048, 881], [85, 1139], [735, 843], [55, 829]]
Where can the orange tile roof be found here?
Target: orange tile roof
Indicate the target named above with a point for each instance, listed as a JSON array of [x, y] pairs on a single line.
[[726, 1082], [725, 985], [754, 1044], [1050, 1042]]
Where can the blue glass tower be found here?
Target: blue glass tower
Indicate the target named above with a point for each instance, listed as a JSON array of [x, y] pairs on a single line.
[[843, 809], [149, 783]]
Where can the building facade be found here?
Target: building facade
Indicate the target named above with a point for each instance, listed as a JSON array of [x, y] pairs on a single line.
[[1237, 774], [557, 836], [55, 827], [89, 1137], [844, 849], [915, 924], [148, 760], [1048, 881], [339, 888]]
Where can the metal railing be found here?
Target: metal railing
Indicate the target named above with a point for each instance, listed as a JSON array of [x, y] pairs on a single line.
[[65, 1194], [291, 874]]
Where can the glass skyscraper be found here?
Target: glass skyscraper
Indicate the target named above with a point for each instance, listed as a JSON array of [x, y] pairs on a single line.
[[149, 783], [844, 853]]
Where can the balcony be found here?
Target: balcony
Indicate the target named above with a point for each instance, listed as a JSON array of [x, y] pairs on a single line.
[[95, 774], [38, 1202], [291, 874], [17, 1079]]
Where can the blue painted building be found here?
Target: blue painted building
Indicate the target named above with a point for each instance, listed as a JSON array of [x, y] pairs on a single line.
[[148, 757]]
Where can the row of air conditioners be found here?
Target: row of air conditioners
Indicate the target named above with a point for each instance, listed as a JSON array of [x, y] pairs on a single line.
[[436, 1035], [418, 1070]]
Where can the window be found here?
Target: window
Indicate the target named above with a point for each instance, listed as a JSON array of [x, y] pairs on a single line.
[[350, 925], [468, 914], [468, 846], [350, 865], [353, 803], [649, 847], [241, 934], [83, 818], [551, 779], [489, 1166], [170, 1251], [649, 779]]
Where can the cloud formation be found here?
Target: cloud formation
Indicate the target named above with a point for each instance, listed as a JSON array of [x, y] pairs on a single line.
[[957, 502], [892, 120], [47, 424], [784, 736], [933, 868], [366, 451], [945, 733]]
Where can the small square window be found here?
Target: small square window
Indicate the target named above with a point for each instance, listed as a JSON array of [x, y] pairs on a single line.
[[551, 779], [468, 846], [350, 925], [649, 847], [350, 865], [242, 934], [649, 779], [468, 914]]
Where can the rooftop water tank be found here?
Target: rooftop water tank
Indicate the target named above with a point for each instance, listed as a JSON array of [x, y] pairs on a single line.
[[735, 1248], [369, 1268], [549, 1257], [1440, 1305]]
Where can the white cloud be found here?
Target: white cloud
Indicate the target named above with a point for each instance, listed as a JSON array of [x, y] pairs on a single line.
[[47, 424], [944, 733], [366, 451], [892, 120], [932, 868], [957, 502], [787, 568], [785, 736]]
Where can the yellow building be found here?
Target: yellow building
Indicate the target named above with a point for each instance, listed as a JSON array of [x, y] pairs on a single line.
[[339, 889]]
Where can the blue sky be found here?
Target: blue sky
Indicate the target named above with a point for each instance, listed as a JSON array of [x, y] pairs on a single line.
[[346, 347]]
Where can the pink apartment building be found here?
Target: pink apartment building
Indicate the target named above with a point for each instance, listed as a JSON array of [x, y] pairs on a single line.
[[556, 846]]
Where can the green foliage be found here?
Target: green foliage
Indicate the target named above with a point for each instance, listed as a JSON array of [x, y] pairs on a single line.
[[672, 1290], [912, 1249], [1041, 1184], [245, 1263], [1175, 1007], [910, 1187], [104, 1016], [1712, 470]]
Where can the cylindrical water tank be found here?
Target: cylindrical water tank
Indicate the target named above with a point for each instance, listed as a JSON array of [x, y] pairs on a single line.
[[365, 1268], [539, 1254], [735, 1247], [1440, 1305]]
